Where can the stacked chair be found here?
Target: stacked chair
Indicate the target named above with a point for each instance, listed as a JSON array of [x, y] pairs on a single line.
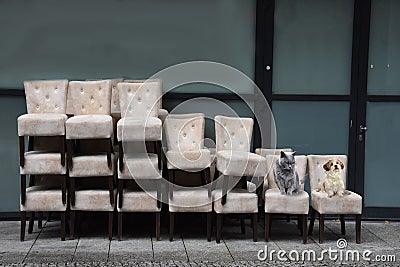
[[45, 121], [234, 161], [185, 137], [139, 124], [89, 135]]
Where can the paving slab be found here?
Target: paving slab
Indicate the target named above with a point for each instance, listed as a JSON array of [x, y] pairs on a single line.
[[137, 249], [166, 251], [92, 250], [200, 250]]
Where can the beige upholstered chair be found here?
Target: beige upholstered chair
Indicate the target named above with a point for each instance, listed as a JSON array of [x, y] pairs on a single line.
[[321, 203], [275, 202], [46, 105], [139, 124], [185, 137], [234, 161], [162, 113], [91, 106]]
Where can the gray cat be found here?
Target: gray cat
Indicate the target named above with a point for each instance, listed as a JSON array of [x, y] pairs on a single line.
[[285, 174]]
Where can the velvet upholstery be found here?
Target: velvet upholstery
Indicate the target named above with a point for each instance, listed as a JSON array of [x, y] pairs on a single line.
[[270, 151], [89, 127], [237, 201], [233, 133], [44, 124], [139, 201], [348, 204], [132, 129], [297, 203], [91, 166], [241, 163], [90, 97], [43, 198], [42, 162], [47, 96], [140, 166], [93, 200], [190, 200]]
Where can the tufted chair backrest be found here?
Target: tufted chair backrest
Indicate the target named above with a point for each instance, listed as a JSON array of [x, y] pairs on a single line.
[[185, 132], [139, 100], [270, 151], [46, 96], [156, 82], [301, 169], [115, 109], [90, 97], [233, 133], [316, 171]]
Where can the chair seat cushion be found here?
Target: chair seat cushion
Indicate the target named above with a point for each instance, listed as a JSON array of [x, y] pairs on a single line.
[[162, 114], [140, 166], [41, 162], [348, 204], [93, 200], [297, 203], [89, 127], [190, 200], [237, 201], [43, 124], [139, 201], [91, 166], [188, 160], [131, 129], [241, 163], [43, 198]]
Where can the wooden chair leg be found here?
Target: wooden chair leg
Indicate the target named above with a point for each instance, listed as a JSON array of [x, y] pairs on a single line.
[[171, 178], [119, 226], [21, 151], [62, 150], [242, 226], [158, 225], [109, 151], [40, 219], [111, 189], [312, 220], [120, 192], [63, 226], [209, 214], [121, 156], [358, 228], [342, 225], [31, 222], [23, 189], [70, 152], [72, 224], [255, 215], [225, 180], [23, 225], [321, 228], [171, 225], [304, 227], [299, 222], [110, 224], [72, 190], [64, 189], [219, 227], [267, 225], [208, 180]]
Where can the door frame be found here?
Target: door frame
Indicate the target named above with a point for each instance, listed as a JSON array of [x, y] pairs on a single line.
[[358, 89]]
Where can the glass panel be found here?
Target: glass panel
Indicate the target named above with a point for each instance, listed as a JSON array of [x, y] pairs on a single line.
[[312, 46], [384, 52], [382, 143], [133, 39], [10, 109], [312, 127]]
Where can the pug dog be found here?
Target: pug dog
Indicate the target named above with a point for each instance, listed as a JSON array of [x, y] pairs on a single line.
[[333, 184]]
